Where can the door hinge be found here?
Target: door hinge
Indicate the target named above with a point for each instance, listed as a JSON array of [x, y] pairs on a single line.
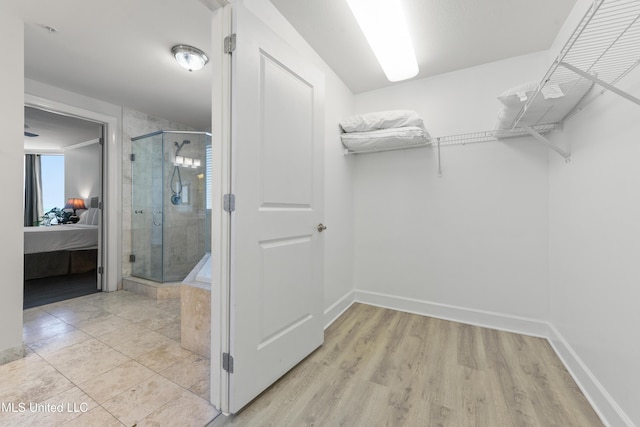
[[132, 258], [230, 43], [101, 141], [227, 362], [100, 205], [100, 270], [229, 203], [132, 157]]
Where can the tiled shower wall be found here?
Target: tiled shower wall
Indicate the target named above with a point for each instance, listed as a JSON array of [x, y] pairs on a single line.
[[135, 123]]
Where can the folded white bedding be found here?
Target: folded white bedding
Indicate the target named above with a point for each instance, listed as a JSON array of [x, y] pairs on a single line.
[[550, 106], [385, 139], [381, 120]]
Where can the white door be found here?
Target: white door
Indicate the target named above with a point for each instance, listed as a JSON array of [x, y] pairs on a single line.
[[276, 312]]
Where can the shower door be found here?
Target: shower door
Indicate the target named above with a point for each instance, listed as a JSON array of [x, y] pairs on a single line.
[[146, 207]]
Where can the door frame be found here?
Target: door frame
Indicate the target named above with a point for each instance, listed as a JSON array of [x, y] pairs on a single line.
[[111, 183], [220, 220]]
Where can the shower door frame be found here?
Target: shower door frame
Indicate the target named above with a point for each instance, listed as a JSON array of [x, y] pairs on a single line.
[[161, 212]]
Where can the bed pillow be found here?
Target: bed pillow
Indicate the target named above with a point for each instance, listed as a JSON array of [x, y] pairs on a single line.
[[551, 105], [83, 217], [519, 94], [90, 217], [381, 120]]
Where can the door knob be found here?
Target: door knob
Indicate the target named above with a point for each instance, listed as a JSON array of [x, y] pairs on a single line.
[[321, 227]]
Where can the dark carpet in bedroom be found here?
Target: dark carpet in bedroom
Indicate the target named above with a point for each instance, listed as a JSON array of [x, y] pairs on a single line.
[[39, 292]]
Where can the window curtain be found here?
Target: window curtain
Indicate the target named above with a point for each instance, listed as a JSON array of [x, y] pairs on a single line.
[[32, 190]]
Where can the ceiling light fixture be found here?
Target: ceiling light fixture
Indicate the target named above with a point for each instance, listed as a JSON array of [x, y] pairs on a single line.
[[191, 58], [384, 26]]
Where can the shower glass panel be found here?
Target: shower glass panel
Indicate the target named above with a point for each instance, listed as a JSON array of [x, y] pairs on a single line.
[[170, 203]]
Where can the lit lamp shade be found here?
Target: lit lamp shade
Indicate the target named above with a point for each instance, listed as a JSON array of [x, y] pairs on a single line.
[[74, 204]]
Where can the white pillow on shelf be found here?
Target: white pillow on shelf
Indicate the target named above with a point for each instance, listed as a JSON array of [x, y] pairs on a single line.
[[381, 120]]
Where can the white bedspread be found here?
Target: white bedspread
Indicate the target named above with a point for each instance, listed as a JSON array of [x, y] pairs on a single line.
[[60, 237]]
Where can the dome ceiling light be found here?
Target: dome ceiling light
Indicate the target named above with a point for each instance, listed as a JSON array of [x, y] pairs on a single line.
[[191, 58]]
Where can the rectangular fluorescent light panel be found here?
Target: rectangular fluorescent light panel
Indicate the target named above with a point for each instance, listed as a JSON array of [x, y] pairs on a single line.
[[383, 24]]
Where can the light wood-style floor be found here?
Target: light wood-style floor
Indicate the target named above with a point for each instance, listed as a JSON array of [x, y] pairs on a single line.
[[381, 367]]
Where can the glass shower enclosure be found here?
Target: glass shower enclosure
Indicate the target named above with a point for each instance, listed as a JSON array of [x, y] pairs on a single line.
[[170, 203]]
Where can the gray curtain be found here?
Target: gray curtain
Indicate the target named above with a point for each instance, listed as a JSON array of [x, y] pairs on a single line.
[[32, 190]]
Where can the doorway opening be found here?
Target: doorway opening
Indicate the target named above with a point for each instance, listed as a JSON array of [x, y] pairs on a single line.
[[63, 192]]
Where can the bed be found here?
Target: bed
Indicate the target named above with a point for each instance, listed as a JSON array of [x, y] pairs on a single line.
[[59, 250]]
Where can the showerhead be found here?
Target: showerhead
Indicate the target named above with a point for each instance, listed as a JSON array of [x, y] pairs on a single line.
[[186, 141]]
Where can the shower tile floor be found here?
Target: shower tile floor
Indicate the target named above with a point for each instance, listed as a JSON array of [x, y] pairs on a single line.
[[106, 359]]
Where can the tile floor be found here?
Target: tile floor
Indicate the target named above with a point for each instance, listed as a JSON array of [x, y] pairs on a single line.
[[106, 359]]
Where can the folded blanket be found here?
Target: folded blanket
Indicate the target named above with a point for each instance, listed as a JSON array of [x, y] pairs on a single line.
[[381, 120], [385, 139]]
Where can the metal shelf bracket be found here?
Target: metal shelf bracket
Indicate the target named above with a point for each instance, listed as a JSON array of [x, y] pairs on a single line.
[[545, 141]]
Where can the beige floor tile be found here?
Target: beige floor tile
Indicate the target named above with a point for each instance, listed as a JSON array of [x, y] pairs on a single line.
[[48, 328], [30, 379], [32, 314], [120, 336], [158, 322], [202, 388], [187, 410], [137, 313], [136, 403], [115, 381], [85, 360], [54, 411], [164, 356], [58, 342], [172, 331], [74, 313], [121, 302], [143, 344], [103, 325], [42, 320], [189, 371], [97, 417]]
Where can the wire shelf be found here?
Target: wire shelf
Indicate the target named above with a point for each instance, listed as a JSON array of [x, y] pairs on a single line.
[[492, 135], [604, 47]]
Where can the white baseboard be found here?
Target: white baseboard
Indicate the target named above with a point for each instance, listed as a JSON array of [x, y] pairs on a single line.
[[606, 407], [337, 308], [487, 319], [609, 411]]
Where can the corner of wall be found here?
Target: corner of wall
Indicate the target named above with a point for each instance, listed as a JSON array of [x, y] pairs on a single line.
[[602, 402], [12, 153]]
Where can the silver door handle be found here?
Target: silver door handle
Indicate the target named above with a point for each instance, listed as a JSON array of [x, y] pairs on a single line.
[[155, 216], [321, 227]]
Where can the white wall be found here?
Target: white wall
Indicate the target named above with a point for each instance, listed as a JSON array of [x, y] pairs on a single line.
[[11, 153], [477, 237], [595, 246], [82, 172], [339, 102]]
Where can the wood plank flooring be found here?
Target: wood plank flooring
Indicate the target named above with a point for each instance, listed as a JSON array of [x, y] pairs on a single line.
[[382, 367]]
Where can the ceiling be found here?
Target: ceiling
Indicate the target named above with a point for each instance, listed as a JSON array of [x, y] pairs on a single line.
[[119, 50], [56, 132], [447, 35]]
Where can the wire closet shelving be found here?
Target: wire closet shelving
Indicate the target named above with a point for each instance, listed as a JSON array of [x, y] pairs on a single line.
[[603, 48]]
